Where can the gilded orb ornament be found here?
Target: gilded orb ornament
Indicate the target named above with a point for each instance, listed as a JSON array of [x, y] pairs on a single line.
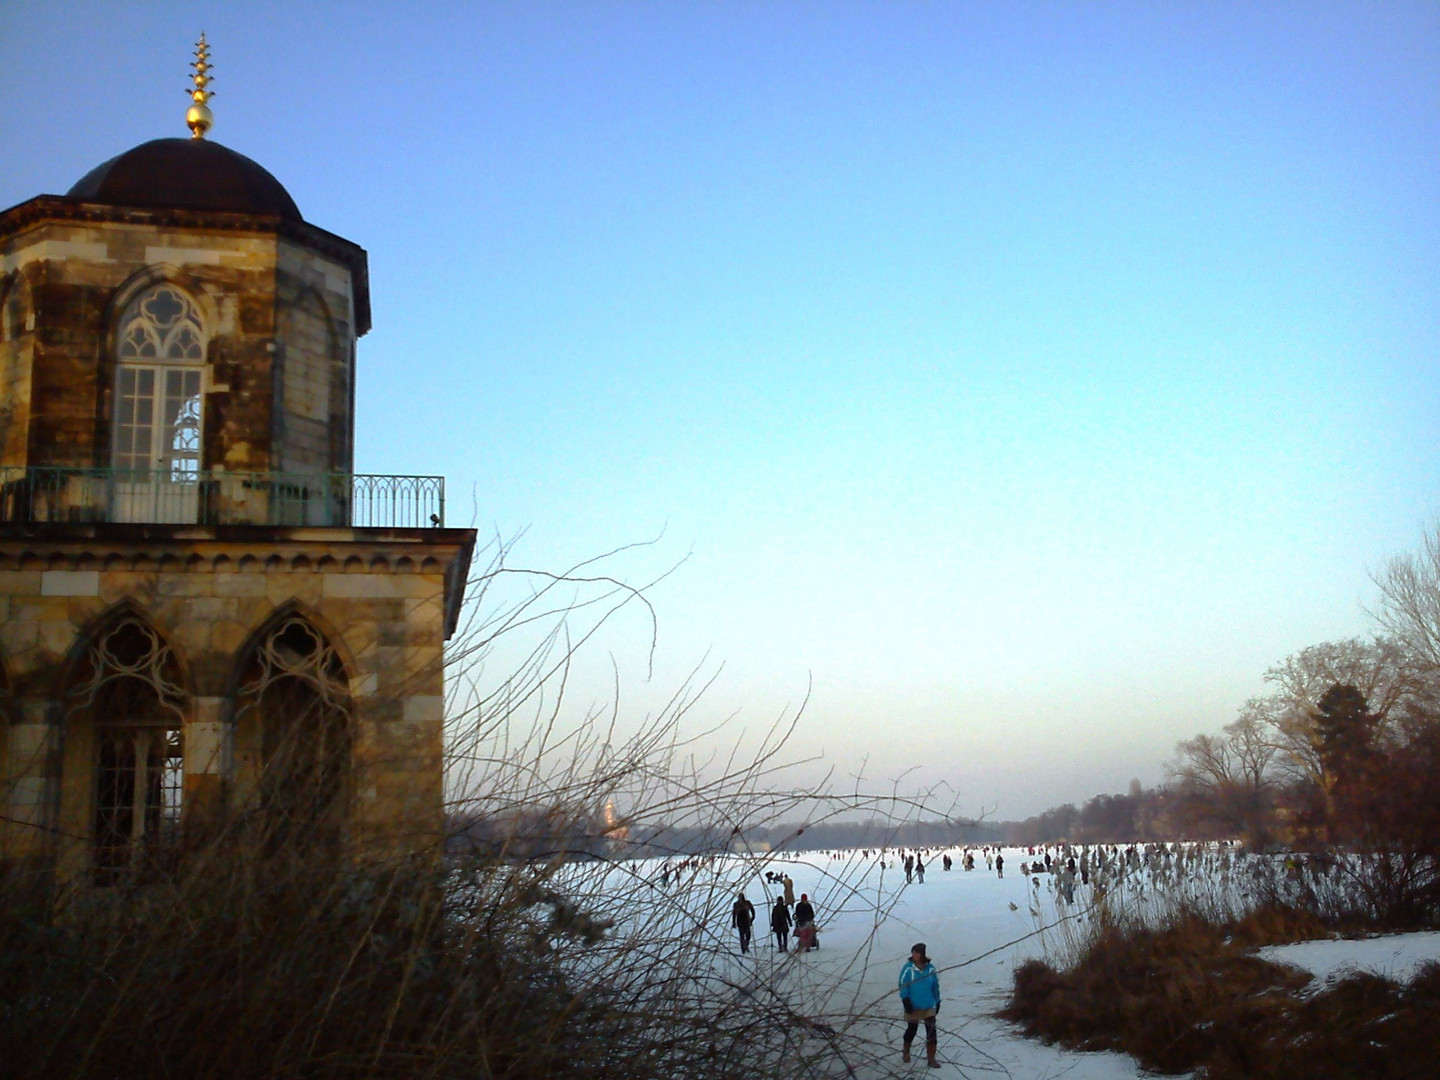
[[198, 117]]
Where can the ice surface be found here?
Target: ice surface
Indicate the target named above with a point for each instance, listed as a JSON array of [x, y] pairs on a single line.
[[1396, 956], [977, 927]]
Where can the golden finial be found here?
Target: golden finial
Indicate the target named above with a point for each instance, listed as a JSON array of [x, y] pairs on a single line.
[[198, 116]]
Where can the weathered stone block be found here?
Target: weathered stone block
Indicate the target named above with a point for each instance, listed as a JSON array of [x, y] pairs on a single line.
[[204, 746], [29, 744], [428, 709], [70, 583], [249, 585], [186, 583], [21, 582], [227, 637], [57, 636], [380, 586]]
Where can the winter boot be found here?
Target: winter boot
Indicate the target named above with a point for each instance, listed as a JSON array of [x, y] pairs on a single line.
[[930, 1056], [905, 1050]]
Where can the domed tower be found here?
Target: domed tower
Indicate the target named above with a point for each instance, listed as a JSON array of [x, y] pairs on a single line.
[[205, 611]]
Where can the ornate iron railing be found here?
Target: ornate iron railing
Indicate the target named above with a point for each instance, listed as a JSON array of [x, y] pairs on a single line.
[[183, 497]]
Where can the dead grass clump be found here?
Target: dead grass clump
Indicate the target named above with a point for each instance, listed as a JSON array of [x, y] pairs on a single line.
[[1278, 924], [325, 973], [1193, 997], [255, 970], [1363, 1026], [1168, 997]]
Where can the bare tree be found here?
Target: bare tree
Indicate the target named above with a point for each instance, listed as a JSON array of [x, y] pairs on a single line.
[[543, 951], [1409, 608], [1378, 669], [1227, 779], [1409, 611]]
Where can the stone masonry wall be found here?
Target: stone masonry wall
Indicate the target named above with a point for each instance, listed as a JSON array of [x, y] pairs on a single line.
[[82, 273], [315, 349], [17, 332], [279, 361], [382, 607]]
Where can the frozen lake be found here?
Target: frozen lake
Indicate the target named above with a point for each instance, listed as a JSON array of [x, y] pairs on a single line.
[[977, 926]]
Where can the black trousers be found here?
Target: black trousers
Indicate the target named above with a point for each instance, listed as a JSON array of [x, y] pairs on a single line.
[[744, 938], [914, 1025]]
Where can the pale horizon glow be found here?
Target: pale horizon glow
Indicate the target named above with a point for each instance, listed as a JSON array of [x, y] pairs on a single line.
[[1022, 379]]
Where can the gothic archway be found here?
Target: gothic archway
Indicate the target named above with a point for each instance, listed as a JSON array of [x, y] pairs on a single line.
[[7, 717], [124, 757], [293, 715], [17, 307], [157, 436]]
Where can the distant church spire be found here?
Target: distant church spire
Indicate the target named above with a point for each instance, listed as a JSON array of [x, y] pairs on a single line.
[[198, 116]]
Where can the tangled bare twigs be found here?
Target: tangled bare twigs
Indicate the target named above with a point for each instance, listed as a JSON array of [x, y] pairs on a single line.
[[538, 943]]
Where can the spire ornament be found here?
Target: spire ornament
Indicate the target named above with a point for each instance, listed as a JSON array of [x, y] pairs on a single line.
[[198, 116]]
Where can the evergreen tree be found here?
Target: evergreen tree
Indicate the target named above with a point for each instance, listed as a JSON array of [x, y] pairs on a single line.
[[1344, 732]]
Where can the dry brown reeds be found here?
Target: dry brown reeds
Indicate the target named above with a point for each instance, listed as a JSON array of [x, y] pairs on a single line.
[[1192, 995], [539, 952]]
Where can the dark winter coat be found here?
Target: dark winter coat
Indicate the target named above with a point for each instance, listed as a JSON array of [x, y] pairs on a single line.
[[743, 914], [780, 917]]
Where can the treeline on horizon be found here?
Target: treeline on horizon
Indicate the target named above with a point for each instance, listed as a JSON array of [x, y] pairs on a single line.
[[1119, 819], [536, 835], [1344, 750], [1143, 814]]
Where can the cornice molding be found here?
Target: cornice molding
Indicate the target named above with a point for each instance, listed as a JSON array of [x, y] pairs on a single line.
[[63, 209], [334, 551]]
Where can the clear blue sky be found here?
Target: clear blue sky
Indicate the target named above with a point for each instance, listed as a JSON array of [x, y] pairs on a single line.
[[1031, 375]]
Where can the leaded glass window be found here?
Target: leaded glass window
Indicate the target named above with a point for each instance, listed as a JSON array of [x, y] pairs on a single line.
[[129, 690], [159, 407], [296, 689], [161, 325]]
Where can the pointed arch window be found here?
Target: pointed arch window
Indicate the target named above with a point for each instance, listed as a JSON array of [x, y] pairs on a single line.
[[17, 312], [129, 689], [159, 417], [6, 716], [294, 705]]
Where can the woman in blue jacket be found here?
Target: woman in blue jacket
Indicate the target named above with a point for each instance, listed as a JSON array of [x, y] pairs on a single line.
[[920, 994]]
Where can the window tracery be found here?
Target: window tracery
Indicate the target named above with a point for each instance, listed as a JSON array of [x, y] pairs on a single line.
[[296, 690], [161, 325], [17, 311], [129, 688], [157, 439]]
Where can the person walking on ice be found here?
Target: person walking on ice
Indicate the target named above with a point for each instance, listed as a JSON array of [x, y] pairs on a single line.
[[780, 924], [742, 917], [806, 935], [920, 995]]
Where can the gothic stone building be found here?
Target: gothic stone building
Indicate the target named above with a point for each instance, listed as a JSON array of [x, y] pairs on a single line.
[[205, 614]]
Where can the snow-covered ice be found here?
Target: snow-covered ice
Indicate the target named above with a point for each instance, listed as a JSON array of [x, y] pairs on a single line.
[[977, 927], [1396, 956]]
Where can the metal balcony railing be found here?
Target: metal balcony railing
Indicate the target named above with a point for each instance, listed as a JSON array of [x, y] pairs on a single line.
[[186, 497]]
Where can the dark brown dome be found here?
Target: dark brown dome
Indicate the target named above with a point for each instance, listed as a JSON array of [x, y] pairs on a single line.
[[186, 174]]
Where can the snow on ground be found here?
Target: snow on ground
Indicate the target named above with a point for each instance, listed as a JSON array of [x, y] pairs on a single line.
[[977, 926], [1396, 956]]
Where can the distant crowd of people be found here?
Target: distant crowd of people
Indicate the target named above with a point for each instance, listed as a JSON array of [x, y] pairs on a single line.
[[793, 921]]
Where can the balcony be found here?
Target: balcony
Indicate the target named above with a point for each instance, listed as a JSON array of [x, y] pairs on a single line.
[[182, 497]]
